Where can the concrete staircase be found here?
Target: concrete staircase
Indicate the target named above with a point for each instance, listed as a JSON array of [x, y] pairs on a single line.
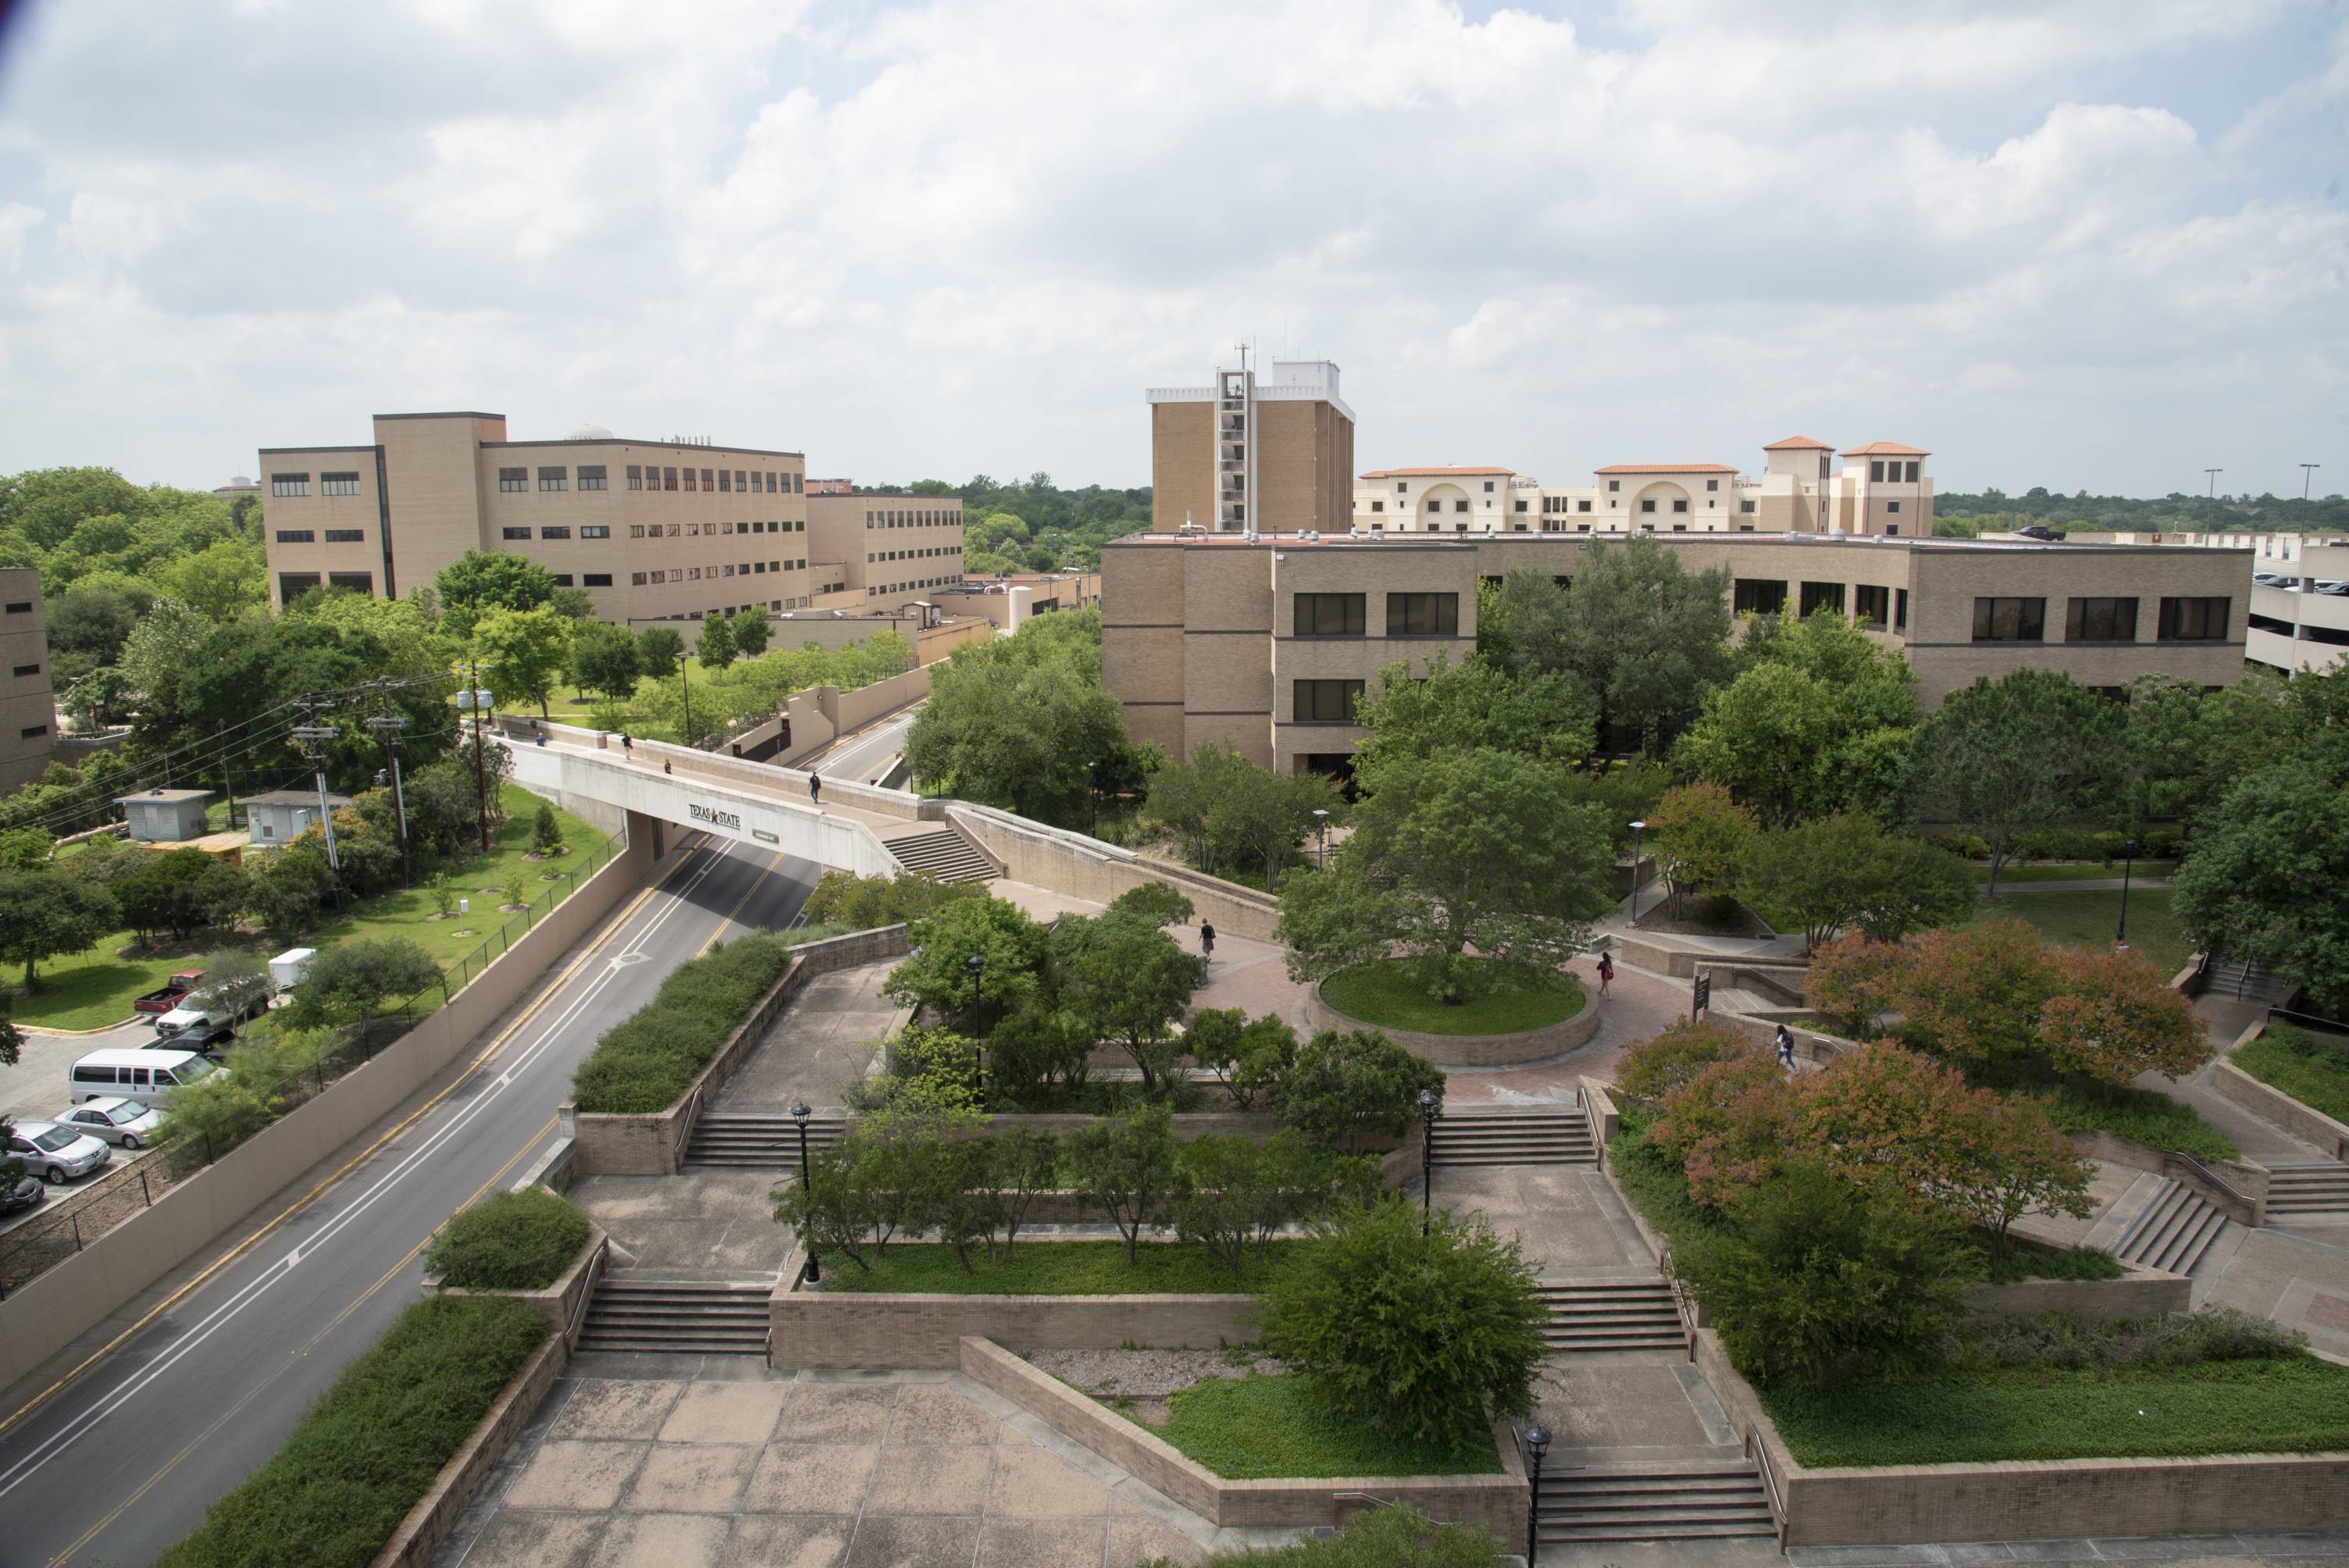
[[2308, 1191], [1560, 1137], [677, 1317], [758, 1140], [1591, 1315], [2248, 980], [1694, 1501], [944, 853], [2173, 1233]]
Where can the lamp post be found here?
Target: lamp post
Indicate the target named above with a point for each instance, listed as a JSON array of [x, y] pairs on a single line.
[[977, 964], [2307, 472], [1431, 1111], [1537, 1445], [2128, 864], [1093, 801], [1638, 829], [800, 1115], [1321, 839], [685, 691]]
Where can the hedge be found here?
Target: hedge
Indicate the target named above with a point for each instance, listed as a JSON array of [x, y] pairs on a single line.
[[370, 1448], [644, 1062], [515, 1240]]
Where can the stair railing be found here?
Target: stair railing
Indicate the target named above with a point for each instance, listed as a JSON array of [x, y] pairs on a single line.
[[1680, 1303], [578, 1316], [1759, 1452], [685, 1129], [2197, 1173]]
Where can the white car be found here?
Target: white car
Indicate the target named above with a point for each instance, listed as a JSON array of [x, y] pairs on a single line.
[[56, 1153], [118, 1120]]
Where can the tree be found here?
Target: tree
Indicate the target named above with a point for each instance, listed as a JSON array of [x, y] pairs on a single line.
[[288, 888], [480, 581], [1182, 797], [25, 848], [1652, 1069], [1461, 853], [2182, 748], [658, 649], [752, 629], [12, 1042], [1015, 952], [180, 891], [1824, 874], [44, 914], [2247, 887], [1012, 723], [715, 647], [2114, 1015], [1731, 1125], [1548, 716], [1264, 814], [1250, 1059], [348, 983], [605, 658], [1125, 1168], [1426, 1336], [222, 581], [521, 653], [1233, 1194], [2004, 757], [1699, 834], [545, 833], [1347, 1087], [236, 980], [1123, 979]]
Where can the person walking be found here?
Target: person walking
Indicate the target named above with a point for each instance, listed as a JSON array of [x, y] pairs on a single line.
[[1206, 948], [815, 787], [1785, 1047], [666, 768], [628, 746], [1606, 973]]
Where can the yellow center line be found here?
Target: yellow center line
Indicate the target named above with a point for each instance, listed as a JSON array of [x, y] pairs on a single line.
[[95, 1531], [727, 924]]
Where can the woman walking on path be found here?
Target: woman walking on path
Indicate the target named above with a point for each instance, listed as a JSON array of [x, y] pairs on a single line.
[[1606, 973]]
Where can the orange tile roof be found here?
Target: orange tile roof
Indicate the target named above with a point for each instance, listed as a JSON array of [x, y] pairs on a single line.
[[1667, 468], [1798, 444], [1415, 473], [1885, 450]]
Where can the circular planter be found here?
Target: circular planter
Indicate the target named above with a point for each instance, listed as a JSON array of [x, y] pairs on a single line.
[[1470, 1050]]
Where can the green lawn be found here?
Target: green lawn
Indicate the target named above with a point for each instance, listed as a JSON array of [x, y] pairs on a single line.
[[1385, 994], [1256, 1428], [2312, 1069], [94, 990], [2281, 1405], [2088, 920], [1049, 1268], [2146, 1115], [2071, 870]]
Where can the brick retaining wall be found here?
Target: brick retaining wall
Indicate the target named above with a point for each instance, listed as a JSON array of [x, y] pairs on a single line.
[[1470, 1050], [418, 1538]]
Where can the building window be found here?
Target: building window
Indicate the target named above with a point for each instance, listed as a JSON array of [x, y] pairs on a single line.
[[590, 476], [726, 479], [513, 478], [2009, 620], [636, 579], [1892, 506], [742, 480], [1613, 486], [1912, 473], [297, 536], [797, 483], [1679, 527], [2101, 621], [554, 479], [338, 484], [30, 731], [1745, 505], [596, 531], [1822, 596], [1713, 484], [558, 531], [1423, 614], [351, 581], [1332, 615], [2193, 620], [1900, 609], [1870, 604], [636, 531], [1326, 702], [289, 484], [597, 580], [1582, 506], [636, 476], [563, 580], [1680, 505], [1521, 506], [1875, 470], [1759, 595], [1648, 505], [668, 479], [705, 477], [672, 529], [292, 585], [346, 536], [513, 533], [24, 670], [21, 607]]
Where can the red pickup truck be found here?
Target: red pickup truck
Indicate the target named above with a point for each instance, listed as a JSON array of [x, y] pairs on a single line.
[[170, 996]]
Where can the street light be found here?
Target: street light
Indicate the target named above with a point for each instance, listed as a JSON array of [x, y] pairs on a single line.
[[1637, 828], [1321, 839], [2307, 472], [685, 690], [2120, 937], [977, 964], [800, 1115], [2214, 474], [1431, 1111], [1092, 799], [1537, 1445]]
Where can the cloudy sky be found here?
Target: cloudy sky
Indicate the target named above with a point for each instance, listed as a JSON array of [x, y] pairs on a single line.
[[2097, 244]]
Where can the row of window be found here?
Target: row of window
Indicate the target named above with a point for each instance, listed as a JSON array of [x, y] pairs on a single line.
[[918, 517], [2024, 620], [310, 536], [1882, 470], [1408, 616], [696, 530], [718, 481], [696, 573], [346, 483], [292, 585], [874, 556], [590, 477]]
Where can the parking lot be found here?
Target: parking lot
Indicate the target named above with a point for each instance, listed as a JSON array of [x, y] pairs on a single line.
[[35, 1089]]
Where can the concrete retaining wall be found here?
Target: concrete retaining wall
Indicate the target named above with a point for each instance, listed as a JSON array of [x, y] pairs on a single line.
[[2141, 1292], [1470, 1050], [2265, 1100], [1496, 1502], [1085, 868], [2247, 1204], [418, 1540], [50, 1312], [557, 1303]]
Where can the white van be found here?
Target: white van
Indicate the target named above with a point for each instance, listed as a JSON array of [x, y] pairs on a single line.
[[142, 1076]]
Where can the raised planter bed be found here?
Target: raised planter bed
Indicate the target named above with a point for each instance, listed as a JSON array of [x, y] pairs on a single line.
[[1470, 1050]]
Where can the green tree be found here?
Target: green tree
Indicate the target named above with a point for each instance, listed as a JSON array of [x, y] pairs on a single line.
[[480, 581], [25, 848], [1347, 1087], [1474, 705], [605, 658], [2004, 757], [1234, 1194], [157, 660], [290, 885], [1474, 865], [1700, 834], [348, 983], [521, 653], [546, 832], [1125, 1168], [1012, 723], [1264, 814], [1123, 979], [715, 647], [2261, 877], [1832, 872], [1427, 1336], [1014, 949], [1248, 1058], [658, 649], [45, 913], [752, 629], [222, 581]]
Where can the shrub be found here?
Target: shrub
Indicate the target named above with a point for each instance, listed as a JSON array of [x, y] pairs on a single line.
[[1429, 1335], [514, 1240], [1233, 1195], [1655, 1067], [1347, 1087], [2071, 1343], [1965, 846], [2312, 1071], [373, 1444], [1822, 1279], [545, 833], [647, 1060], [860, 903], [1248, 1058], [1125, 1168]]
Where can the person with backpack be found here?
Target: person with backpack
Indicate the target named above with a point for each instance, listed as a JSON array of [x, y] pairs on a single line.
[[1785, 1047], [1606, 973], [816, 788], [1206, 948]]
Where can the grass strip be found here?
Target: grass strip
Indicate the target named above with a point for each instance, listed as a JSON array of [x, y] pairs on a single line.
[[2089, 919], [1054, 1268], [1258, 1428], [2314, 1069], [1386, 994]]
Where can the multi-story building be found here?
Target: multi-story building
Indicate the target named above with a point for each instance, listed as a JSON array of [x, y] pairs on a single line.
[[888, 550], [653, 531], [28, 713], [1251, 452]]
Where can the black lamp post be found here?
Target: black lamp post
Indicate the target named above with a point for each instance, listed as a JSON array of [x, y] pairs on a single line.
[[977, 963], [1537, 1445], [1092, 799], [2128, 864], [1321, 839], [1637, 828], [1431, 1111], [800, 1115]]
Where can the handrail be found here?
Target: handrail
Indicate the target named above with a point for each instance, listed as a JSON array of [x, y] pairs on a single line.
[[1679, 1301], [594, 1276], [1370, 1498], [2207, 1174], [685, 1124], [1758, 1451]]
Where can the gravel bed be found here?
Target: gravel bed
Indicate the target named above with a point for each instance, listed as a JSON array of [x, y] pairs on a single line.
[[1143, 1374]]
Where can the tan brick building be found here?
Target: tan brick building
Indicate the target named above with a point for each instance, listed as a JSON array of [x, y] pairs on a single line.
[[1261, 644], [891, 549], [652, 531], [1253, 452], [28, 715]]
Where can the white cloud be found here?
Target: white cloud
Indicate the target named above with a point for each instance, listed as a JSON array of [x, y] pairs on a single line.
[[16, 221]]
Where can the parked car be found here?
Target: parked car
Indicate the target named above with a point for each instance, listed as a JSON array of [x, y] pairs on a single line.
[[206, 1008], [169, 995], [2271, 580], [127, 1122], [141, 1075], [2330, 586], [26, 1192], [206, 1039], [56, 1153]]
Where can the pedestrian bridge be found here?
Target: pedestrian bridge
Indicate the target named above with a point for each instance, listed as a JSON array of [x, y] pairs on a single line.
[[853, 827]]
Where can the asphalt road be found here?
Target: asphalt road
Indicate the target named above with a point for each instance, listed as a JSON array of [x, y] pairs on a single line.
[[124, 1461], [861, 756]]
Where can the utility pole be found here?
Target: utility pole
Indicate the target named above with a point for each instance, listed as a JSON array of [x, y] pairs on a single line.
[[473, 696], [2214, 474], [2307, 472], [227, 777], [388, 725], [310, 732]]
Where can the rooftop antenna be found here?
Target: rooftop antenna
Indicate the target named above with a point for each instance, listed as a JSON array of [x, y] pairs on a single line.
[[1243, 348]]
